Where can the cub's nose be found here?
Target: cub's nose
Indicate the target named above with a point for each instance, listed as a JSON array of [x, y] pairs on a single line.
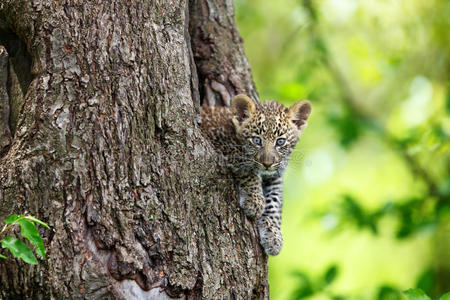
[[267, 164]]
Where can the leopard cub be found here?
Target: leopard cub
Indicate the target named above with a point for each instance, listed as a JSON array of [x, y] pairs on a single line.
[[257, 140]]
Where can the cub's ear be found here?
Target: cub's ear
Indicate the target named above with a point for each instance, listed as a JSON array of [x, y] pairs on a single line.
[[242, 108], [299, 113]]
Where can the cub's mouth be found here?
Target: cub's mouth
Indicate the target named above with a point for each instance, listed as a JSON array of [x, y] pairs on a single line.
[[272, 169]]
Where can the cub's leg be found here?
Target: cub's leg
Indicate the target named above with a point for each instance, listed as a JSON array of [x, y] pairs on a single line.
[[269, 224], [251, 197]]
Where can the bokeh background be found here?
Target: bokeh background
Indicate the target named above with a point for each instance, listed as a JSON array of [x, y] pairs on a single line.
[[366, 198]]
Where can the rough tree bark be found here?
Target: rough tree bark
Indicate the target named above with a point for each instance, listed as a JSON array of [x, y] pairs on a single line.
[[99, 137]]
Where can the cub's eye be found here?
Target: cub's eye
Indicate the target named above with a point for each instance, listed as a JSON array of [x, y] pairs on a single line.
[[280, 142], [257, 140]]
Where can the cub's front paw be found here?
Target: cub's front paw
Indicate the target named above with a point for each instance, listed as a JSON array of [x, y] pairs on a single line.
[[253, 205], [270, 236]]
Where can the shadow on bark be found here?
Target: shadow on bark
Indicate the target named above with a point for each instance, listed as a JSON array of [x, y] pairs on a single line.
[[15, 78]]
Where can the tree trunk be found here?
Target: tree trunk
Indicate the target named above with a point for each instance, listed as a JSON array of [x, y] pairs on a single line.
[[103, 144]]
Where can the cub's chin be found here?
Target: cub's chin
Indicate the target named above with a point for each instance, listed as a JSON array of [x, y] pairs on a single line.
[[269, 172]]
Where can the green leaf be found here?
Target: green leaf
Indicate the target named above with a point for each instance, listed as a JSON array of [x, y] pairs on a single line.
[[416, 294], [30, 232], [445, 296], [12, 218], [33, 219], [304, 287], [330, 274], [388, 293], [2, 256], [303, 291], [347, 126], [426, 281], [19, 249]]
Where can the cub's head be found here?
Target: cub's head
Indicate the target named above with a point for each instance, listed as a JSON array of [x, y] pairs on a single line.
[[268, 131]]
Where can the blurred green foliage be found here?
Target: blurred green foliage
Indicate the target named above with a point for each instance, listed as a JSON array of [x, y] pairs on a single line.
[[367, 192], [306, 286]]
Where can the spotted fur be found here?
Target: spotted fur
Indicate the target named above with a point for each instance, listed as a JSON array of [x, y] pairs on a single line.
[[257, 140]]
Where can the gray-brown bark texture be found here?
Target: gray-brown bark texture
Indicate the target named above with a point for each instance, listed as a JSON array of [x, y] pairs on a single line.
[[101, 140]]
